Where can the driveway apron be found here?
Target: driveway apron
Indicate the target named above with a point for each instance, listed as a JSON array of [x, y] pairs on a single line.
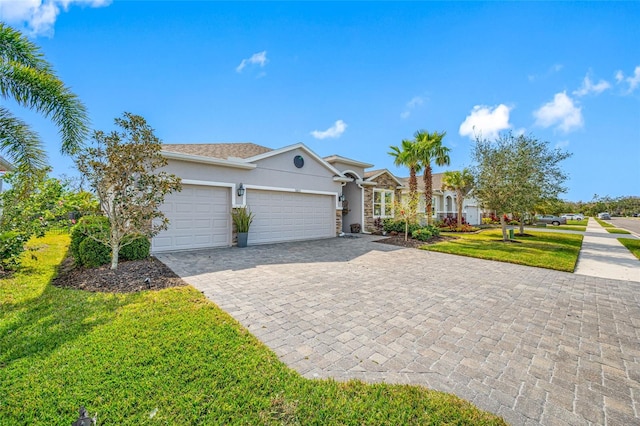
[[532, 345]]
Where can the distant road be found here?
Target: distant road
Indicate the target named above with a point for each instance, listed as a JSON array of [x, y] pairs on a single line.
[[629, 223]]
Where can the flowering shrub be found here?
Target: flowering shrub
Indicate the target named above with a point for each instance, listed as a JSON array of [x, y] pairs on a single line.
[[423, 234], [463, 228]]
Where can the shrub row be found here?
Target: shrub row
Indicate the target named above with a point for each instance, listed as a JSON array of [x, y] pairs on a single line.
[[91, 253], [417, 231]]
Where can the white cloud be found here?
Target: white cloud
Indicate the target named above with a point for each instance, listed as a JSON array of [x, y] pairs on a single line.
[[39, 16], [416, 101], [334, 131], [633, 81], [259, 58], [589, 87], [562, 144], [560, 112], [485, 121]]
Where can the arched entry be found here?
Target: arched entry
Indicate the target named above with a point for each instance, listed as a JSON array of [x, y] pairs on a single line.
[[352, 206]]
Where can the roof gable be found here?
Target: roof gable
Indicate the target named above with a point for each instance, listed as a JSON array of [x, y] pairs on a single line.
[[375, 174], [300, 146]]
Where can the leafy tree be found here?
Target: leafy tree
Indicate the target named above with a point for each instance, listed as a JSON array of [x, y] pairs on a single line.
[[46, 203], [407, 154], [515, 174], [537, 174], [122, 169], [28, 79], [430, 150], [461, 182]]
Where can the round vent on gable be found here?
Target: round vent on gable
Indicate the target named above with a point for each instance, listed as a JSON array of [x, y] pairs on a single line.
[[298, 161]]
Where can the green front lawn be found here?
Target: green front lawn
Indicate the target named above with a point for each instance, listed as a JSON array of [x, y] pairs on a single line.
[[632, 245], [542, 249], [584, 222], [169, 357]]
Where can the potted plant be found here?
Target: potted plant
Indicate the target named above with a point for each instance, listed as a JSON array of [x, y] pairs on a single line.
[[242, 219]]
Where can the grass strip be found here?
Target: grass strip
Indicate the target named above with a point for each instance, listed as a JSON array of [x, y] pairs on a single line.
[[617, 231], [170, 357], [549, 250], [603, 223], [632, 245]]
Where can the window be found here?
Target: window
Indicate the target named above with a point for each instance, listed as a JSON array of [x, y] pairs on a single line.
[[383, 203]]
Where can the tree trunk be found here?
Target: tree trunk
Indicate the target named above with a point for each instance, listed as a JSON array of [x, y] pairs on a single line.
[[460, 200], [428, 192], [406, 228], [503, 223], [522, 224], [413, 190], [115, 249]]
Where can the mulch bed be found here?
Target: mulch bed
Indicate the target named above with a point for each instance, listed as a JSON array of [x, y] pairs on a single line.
[[398, 240], [129, 277]]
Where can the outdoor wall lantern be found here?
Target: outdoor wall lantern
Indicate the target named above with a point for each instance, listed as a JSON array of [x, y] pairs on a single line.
[[341, 197], [240, 190]]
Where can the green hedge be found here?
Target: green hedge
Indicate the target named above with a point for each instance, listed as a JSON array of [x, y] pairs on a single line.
[[391, 225], [92, 254]]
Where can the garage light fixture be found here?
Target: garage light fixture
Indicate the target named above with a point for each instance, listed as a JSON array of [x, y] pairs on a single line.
[[240, 190], [341, 197]]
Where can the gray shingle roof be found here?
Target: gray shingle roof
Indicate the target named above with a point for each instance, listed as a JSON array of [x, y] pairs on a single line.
[[217, 150]]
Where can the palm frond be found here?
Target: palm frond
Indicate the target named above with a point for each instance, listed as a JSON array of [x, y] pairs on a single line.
[[44, 92], [21, 145]]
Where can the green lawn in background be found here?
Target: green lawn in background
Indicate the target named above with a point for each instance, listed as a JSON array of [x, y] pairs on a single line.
[[542, 249], [170, 357], [632, 245]]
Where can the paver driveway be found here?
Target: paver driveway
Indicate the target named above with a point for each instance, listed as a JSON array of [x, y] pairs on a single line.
[[532, 345]]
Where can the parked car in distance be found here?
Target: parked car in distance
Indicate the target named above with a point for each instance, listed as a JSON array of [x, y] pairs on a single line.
[[573, 216], [604, 216], [551, 219]]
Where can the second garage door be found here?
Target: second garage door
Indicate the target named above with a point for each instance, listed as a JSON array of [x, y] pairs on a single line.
[[290, 216]]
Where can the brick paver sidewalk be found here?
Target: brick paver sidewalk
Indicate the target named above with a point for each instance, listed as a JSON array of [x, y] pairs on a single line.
[[532, 345]]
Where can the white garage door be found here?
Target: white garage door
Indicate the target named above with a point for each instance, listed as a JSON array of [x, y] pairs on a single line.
[[290, 216], [199, 217]]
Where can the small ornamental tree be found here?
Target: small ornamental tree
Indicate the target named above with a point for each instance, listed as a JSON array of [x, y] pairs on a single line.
[[407, 211], [121, 167]]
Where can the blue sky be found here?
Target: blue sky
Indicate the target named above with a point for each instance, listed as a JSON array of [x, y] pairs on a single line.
[[353, 78]]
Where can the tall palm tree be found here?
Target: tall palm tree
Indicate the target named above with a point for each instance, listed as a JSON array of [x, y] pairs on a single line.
[[28, 79], [408, 155], [461, 183], [430, 150]]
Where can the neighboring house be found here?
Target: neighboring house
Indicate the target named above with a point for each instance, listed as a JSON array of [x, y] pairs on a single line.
[[293, 193], [5, 167]]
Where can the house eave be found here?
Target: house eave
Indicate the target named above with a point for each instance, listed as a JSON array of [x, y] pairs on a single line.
[[207, 160], [348, 161]]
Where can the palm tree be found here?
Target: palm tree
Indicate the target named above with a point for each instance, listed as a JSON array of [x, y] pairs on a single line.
[[461, 183], [407, 155], [28, 79], [430, 149]]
